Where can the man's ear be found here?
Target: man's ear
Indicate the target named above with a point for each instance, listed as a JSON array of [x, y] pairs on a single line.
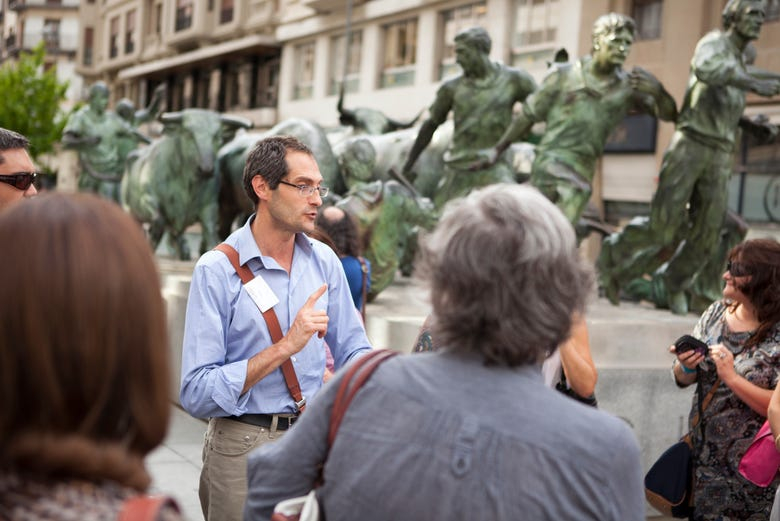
[[260, 186]]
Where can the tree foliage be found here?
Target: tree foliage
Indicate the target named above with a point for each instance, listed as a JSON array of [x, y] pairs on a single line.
[[31, 98]]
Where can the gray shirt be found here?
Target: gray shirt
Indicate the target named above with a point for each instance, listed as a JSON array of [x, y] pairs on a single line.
[[439, 436]]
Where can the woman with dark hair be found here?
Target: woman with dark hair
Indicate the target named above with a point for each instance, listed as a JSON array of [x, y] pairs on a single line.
[[470, 431], [343, 232], [743, 334], [84, 375]]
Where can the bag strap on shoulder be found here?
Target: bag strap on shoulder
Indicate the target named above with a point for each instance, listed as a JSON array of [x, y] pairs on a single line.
[[353, 380], [145, 508], [271, 320]]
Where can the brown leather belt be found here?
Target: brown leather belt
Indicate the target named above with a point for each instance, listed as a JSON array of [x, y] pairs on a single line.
[[283, 422]]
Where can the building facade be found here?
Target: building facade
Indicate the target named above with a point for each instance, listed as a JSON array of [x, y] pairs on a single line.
[[270, 60], [25, 23]]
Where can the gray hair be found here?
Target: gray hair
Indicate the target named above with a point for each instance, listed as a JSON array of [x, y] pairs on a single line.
[[731, 11], [505, 275], [10, 140]]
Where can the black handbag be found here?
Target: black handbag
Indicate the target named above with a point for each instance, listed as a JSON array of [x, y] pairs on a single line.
[[669, 482], [563, 387]]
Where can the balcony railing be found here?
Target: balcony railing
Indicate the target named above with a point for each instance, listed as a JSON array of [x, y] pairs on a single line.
[[22, 4], [60, 42]]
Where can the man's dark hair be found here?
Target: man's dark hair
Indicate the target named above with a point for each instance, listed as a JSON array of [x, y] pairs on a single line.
[[10, 140], [268, 159]]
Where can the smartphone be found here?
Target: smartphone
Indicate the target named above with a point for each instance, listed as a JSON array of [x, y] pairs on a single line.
[[689, 343]]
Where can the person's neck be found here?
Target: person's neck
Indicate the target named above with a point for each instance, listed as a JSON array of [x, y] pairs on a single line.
[[745, 314], [739, 40], [602, 70], [480, 72], [273, 242]]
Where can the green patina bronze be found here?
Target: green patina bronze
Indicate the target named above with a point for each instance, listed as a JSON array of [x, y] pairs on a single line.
[[101, 138], [481, 100], [685, 229], [581, 104]]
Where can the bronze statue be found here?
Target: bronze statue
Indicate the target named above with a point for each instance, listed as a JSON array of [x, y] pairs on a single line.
[[369, 121], [99, 137], [173, 183], [688, 209], [481, 100], [581, 104]]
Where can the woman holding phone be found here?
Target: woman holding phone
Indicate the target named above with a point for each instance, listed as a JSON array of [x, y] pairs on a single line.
[[742, 331]]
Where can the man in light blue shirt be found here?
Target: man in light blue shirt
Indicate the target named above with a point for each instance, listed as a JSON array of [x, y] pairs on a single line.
[[230, 365]]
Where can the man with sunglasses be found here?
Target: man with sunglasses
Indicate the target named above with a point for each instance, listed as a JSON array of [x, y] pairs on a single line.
[[17, 171], [232, 369]]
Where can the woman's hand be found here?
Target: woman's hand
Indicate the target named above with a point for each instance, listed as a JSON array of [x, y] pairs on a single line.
[[688, 359], [724, 362]]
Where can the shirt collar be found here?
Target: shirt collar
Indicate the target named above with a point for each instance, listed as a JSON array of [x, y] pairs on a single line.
[[248, 249]]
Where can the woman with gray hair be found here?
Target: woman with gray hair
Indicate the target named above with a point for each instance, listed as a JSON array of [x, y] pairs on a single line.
[[470, 431]]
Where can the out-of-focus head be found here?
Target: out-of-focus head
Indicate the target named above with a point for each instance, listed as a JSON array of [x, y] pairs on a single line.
[[16, 168], [341, 228], [504, 274], [268, 159], [755, 267], [613, 35], [125, 109], [471, 47], [98, 96], [84, 378], [746, 16]]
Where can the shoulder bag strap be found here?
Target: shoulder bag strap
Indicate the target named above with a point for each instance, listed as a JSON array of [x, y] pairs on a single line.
[[145, 508], [357, 374], [364, 288], [704, 403], [290, 378]]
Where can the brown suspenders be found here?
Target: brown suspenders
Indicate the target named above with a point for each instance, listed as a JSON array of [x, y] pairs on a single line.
[[290, 378]]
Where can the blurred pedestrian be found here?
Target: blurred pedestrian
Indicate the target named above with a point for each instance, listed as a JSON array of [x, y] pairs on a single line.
[[84, 374], [17, 173]]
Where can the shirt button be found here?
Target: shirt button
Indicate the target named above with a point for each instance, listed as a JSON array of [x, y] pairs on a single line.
[[293, 359]]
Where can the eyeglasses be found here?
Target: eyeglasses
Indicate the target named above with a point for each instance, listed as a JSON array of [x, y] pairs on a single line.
[[308, 190], [20, 180], [737, 269]]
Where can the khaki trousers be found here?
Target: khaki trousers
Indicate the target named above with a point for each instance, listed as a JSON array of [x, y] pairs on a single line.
[[223, 486]]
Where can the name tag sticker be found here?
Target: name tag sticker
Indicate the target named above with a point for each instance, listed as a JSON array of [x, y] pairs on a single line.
[[261, 293]]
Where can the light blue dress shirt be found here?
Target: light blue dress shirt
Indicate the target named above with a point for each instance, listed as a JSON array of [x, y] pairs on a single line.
[[223, 327]]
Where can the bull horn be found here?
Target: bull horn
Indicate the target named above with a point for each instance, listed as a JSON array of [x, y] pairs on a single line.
[[235, 121], [171, 117]]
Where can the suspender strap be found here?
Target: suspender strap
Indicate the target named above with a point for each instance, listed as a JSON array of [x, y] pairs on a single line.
[[290, 378]]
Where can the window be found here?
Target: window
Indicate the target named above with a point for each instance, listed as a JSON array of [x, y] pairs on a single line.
[[454, 21], [153, 24], [130, 31], [647, 15], [772, 10], [226, 12], [535, 31], [338, 45], [51, 34], [183, 14], [400, 40], [89, 42], [304, 71], [113, 41]]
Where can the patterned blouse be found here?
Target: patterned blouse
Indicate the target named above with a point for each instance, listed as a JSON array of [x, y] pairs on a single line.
[[729, 424], [31, 499]]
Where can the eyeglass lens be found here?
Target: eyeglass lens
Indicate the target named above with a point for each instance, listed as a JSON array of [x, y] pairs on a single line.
[[737, 269]]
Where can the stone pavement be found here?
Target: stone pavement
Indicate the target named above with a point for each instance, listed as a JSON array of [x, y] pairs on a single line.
[[629, 346]]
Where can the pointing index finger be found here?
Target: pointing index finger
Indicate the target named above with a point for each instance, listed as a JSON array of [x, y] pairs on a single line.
[[315, 296]]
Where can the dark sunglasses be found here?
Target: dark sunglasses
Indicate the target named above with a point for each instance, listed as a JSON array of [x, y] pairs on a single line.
[[737, 269], [20, 180]]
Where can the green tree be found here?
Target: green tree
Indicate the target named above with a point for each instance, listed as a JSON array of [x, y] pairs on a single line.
[[31, 98]]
